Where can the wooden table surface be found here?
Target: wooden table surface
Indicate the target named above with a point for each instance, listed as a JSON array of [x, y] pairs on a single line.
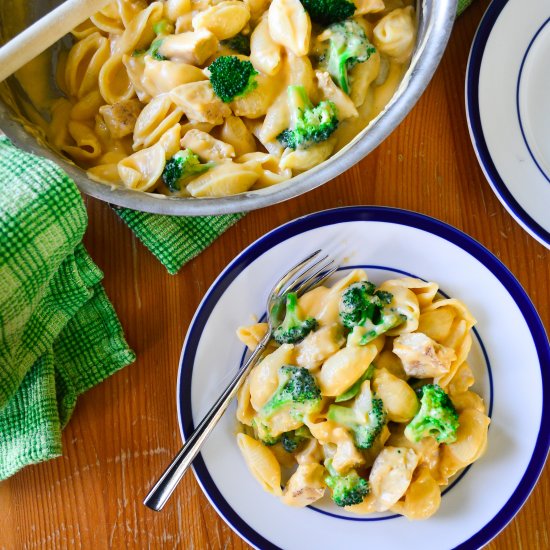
[[125, 431]]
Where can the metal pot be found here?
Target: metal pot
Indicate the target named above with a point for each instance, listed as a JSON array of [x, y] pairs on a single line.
[[435, 21]]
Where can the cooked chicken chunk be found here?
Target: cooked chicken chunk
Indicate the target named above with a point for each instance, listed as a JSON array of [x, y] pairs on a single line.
[[193, 47], [421, 356], [120, 118], [200, 103], [206, 146]]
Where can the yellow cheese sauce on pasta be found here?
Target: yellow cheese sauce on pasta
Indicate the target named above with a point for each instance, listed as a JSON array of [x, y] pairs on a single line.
[[371, 406], [127, 108]]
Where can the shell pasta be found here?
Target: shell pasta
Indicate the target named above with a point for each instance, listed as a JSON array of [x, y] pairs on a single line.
[[208, 98], [364, 394]]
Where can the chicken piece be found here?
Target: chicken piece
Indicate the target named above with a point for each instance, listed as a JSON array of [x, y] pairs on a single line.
[[120, 118], [391, 475], [421, 356], [345, 106], [305, 486], [193, 47], [200, 103], [206, 146]]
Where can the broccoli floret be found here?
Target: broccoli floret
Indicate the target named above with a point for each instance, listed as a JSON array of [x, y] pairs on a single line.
[[326, 12], [436, 418], [346, 490], [164, 27], [365, 307], [309, 124], [364, 427], [263, 433], [183, 165], [292, 440], [293, 329], [348, 46], [353, 390], [238, 43], [153, 51], [297, 391], [231, 77]]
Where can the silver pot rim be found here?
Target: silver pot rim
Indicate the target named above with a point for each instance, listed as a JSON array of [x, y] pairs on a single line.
[[433, 37]]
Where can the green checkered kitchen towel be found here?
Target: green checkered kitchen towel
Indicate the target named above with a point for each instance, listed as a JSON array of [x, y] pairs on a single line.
[[176, 240], [59, 334]]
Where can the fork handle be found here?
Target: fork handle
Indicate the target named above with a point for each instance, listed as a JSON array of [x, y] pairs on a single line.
[[164, 487]]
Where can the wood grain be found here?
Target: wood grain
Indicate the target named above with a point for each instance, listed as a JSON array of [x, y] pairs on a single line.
[[124, 431]]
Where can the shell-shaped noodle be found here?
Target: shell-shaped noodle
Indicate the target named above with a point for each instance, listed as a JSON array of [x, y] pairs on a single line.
[[422, 499], [391, 475], [271, 173], [290, 25], [262, 463], [256, 103], [362, 76], [304, 159], [121, 117], [142, 170], [245, 412], [227, 178], [462, 379], [395, 34], [84, 63], [265, 53], [300, 73], [88, 146], [170, 141], [344, 368], [105, 173], [87, 107], [193, 47], [252, 335], [470, 444], [468, 400], [139, 31], [206, 146], [135, 67], [114, 83], [225, 19], [399, 398], [167, 75], [108, 19], [277, 119], [369, 6], [405, 302], [256, 8], [347, 455], [389, 361], [200, 103], [437, 323], [331, 92], [305, 486], [176, 8], [156, 117], [235, 132], [264, 378], [84, 29], [129, 9], [310, 453], [425, 291]]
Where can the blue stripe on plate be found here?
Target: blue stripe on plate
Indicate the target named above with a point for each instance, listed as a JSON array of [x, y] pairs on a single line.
[[474, 119], [376, 214]]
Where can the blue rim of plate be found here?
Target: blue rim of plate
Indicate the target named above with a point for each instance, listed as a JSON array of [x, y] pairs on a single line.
[[474, 119], [366, 214]]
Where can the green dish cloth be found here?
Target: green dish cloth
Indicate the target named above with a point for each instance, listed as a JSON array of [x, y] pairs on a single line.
[[176, 240], [59, 334]]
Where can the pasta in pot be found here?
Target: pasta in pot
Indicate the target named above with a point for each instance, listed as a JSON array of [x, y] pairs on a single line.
[[380, 418], [142, 68]]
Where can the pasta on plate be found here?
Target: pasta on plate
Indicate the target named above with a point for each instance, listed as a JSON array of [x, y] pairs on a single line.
[[364, 392], [208, 98]]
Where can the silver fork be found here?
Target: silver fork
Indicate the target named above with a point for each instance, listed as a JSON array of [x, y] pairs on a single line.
[[306, 275]]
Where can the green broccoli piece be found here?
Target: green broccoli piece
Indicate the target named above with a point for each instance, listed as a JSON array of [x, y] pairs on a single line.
[[293, 329], [363, 306], [292, 440], [231, 77], [326, 12], [182, 166], [364, 427], [309, 124], [348, 46], [164, 27], [436, 418], [238, 43], [263, 433], [353, 390], [297, 391], [346, 490]]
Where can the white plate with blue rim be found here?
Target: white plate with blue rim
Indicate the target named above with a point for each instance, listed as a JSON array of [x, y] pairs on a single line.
[[510, 359], [508, 108]]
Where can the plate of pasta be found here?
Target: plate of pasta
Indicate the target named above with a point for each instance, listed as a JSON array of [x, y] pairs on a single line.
[[388, 395]]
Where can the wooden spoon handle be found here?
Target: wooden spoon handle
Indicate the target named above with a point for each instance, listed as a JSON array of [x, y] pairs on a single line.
[[45, 32]]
